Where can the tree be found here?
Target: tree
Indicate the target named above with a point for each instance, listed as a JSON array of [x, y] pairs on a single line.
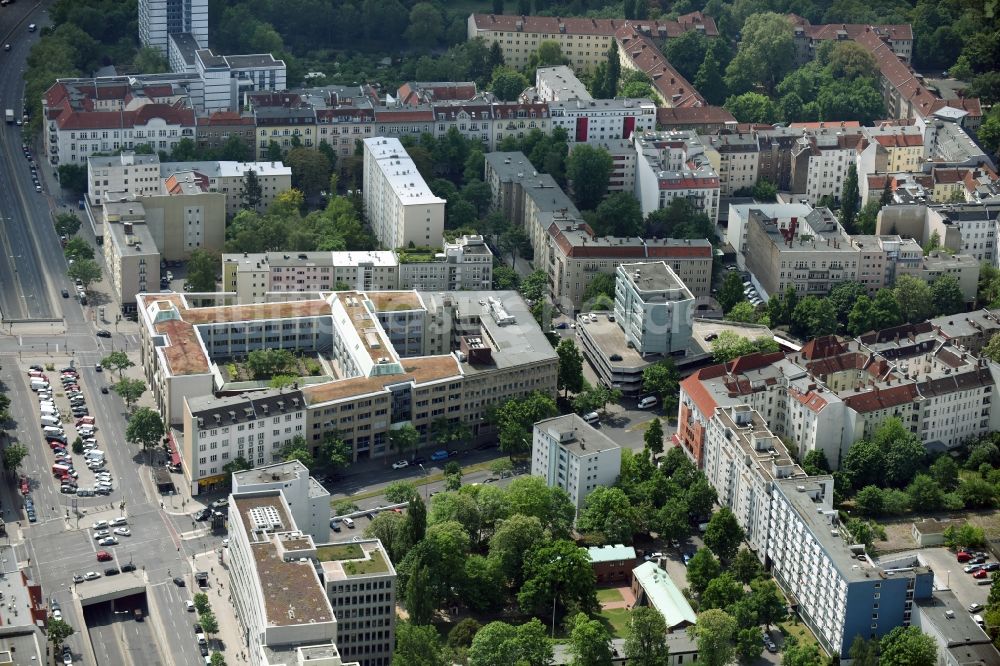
[[803, 654], [549, 54], [505, 277], [849, 198], [944, 470], [653, 438], [417, 645], [745, 566], [501, 467], [613, 70], [404, 438], [914, 297], [77, 248], [662, 379], [731, 291], [714, 631], [646, 638], [618, 215], [589, 170], [516, 418], [815, 463], [237, 464], [751, 107], [766, 52], [507, 83], [767, 601], [67, 224], [977, 493], [425, 26], [419, 602], [461, 634], [58, 631], [13, 456], [310, 170], [813, 317], [870, 501], [700, 496], [559, 574], [570, 366], [202, 268], [947, 295], [398, 492], [416, 519], [129, 390], [724, 534], [218, 659], [589, 642], [118, 360], [515, 241], [702, 569], [907, 646], [87, 271], [297, 449], [145, 427], [609, 512], [534, 286], [722, 592], [201, 603], [500, 644], [708, 80], [73, 177], [209, 623]]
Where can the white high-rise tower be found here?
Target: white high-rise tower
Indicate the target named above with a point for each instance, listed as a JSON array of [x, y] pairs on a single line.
[[158, 19]]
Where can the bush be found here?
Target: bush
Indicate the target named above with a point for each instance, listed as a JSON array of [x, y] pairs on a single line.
[[966, 536]]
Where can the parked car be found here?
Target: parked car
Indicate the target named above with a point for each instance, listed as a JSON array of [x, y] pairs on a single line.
[[128, 567], [439, 455], [400, 464], [91, 575], [975, 608], [963, 556], [973, 568], [178, 581]]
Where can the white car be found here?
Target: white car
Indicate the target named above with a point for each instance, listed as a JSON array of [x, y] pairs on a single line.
[[189, 605], [100, 534], [99, 525], [400, 464], [121, 520], [91, 575], [123, 531], [108, 541], [56, 614]]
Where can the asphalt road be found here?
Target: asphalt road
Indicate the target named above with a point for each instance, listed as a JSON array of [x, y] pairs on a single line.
[[28, 244]]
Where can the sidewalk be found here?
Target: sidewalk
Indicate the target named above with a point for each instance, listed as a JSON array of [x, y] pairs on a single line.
[[229, 639]]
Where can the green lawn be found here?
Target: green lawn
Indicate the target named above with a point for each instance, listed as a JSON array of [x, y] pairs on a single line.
[[609, 595], [799, 630], [340, 551], [616, 620]]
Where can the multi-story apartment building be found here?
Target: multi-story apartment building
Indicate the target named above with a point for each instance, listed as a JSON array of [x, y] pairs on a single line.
[[130, 254], [466, 264], [968, 228], [835, 392], [136, 175], [215, 129], [891, 149], [883, 258], [812, 254], [736, 158], [360, 582], [227, 77], [571, 454], [820, 161], [596, 120], [86, 116], [229, 178], [399, 205], [385, 359], [274, 579], [559, 84], [308, 501], [159, 19], [253, 427], [738, 222], [653, 308], [672, 165]]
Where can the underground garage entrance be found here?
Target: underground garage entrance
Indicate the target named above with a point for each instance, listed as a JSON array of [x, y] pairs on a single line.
[[115, 611]]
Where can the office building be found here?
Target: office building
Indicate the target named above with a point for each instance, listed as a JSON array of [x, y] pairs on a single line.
[[360, 582], [653, 308], [377, 360], [159, 19], [308, 501], [465, 264], [960, 640], [226, 78], [280, 600], [571, 454], [671, 165], [399, 205]]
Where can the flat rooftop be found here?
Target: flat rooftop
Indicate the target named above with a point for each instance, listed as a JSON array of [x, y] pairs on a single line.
[[285, 471], [655, 280], [226, 169], [292, 592], [609, 339], [400, 171], [120, 160], [391, 301], [139, 243], [420, 370], [562, 82], [702, 328], [354, 559], [586, 440]]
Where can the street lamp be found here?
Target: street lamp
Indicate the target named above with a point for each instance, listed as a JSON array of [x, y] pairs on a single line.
[[425, 481]]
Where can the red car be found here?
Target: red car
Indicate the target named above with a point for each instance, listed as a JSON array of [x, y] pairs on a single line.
[[982, 573], [963, 556], [103, 556]]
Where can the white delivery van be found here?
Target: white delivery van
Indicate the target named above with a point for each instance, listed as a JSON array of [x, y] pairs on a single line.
[[48, 410], [38, 383], [49, 420], [53, 430]]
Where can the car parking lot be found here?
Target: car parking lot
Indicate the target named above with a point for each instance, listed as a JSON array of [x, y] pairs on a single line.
[[65, 418], [949, 573]]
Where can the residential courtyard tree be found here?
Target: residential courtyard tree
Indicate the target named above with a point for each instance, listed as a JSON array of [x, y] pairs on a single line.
[[646, 638], [570, 366]]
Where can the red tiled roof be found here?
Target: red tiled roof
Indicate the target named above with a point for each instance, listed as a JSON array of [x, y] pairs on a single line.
[[826, 124], [948, 176], [678, 251], [172, 115], [971, 105], [900, 140], [826, 345], [882, 398], [592, 26], [693, 115], [647, 57], [703, 400]]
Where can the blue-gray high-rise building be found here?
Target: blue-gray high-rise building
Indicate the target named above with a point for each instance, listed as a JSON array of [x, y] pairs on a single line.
[[159, 19]]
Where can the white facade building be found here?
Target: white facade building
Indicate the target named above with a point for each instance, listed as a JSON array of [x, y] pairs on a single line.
[[653, 307], [307, 499], [230, 177], [596, 120], [673, 165], [227, 77], [400, 206], [136, 175], [158, 19], [466, 264], [570, 454]]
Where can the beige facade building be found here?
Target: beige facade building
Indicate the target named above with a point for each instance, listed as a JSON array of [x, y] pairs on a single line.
[[185, 218], [130, 254], [229, 178], [385, 359], [400, 207], [735, 158], [127, 173]]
